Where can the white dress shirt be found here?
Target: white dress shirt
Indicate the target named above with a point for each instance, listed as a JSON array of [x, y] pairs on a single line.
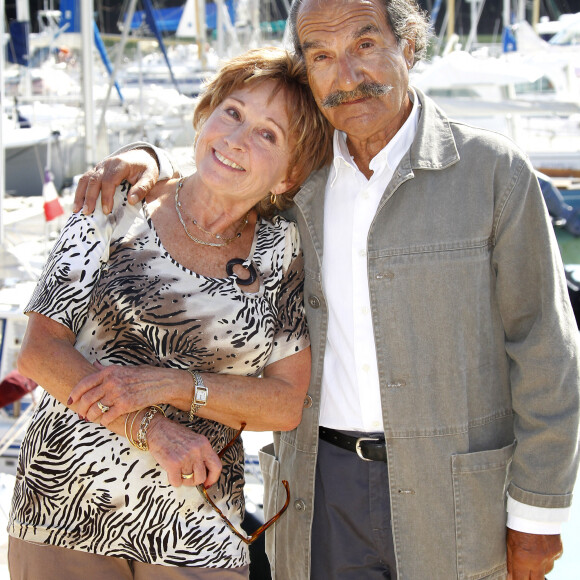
[[351, 398], [350, 395]]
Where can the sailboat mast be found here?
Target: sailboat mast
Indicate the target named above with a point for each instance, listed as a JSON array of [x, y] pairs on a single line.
[[2, 102], [450, 18], [199, 21], [506, 12], [87, 60], [535, 14]]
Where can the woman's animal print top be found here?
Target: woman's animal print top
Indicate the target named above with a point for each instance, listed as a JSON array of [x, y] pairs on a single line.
[[110, 280]]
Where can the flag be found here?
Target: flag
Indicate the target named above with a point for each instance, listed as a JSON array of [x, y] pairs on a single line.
[[52, 207]]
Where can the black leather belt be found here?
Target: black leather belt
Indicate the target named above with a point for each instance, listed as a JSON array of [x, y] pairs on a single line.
[[367, 448]]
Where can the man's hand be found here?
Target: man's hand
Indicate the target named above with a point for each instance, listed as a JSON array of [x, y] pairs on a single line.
[[531, 556], [138, 167]]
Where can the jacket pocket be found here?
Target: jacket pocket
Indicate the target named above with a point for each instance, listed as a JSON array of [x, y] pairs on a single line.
[[479, 489], [270, 467]]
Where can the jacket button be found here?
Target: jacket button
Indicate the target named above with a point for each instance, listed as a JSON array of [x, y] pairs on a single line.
[[314, 301], [300, 505], [307, 402]]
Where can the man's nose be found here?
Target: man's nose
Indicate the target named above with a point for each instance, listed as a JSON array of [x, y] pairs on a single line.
[[349, 72]]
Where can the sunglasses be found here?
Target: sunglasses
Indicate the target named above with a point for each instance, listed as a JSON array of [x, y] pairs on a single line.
[[255, 535]]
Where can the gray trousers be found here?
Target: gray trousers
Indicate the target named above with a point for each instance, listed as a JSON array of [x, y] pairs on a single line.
[[351, 532]]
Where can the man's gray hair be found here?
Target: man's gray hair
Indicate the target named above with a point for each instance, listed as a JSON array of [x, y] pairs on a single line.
[[406, 19]]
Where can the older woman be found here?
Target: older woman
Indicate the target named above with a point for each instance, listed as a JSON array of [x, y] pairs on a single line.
[[180, 319]]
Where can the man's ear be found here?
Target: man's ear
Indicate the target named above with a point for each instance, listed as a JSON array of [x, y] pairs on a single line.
[[409, 52]]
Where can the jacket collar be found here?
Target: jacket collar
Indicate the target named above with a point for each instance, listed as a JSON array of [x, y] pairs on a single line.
[[310, 202], [313, 188], [434, 145]]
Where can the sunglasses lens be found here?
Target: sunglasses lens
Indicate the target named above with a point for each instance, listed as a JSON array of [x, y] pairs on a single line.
[[255, 535], [262, 528]]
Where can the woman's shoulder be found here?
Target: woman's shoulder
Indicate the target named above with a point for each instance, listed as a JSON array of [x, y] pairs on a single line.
[[121, 201], [124, 213], [281, 234], [280, 228], [278, 224]]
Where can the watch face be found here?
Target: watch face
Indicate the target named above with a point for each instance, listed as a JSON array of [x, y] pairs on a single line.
[[201, 396]]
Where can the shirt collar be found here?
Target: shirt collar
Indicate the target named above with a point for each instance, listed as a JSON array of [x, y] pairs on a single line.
[[389, 156]]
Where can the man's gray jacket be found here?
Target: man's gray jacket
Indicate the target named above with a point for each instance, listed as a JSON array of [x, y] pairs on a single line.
[[477, 356]]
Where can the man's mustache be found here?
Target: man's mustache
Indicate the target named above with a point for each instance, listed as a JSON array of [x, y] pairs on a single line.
[[364, 90]]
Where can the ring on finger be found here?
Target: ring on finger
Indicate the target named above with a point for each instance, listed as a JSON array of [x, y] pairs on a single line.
[[104, 408], [186, 475]]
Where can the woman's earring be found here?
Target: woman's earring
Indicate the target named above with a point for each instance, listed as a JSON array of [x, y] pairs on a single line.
[[273, 199]]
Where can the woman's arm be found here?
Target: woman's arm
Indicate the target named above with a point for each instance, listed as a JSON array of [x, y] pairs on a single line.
[[48, 357], [271, 403]]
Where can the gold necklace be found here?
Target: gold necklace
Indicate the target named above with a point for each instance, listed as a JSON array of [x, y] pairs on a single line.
[[226, 241], [219, 236]]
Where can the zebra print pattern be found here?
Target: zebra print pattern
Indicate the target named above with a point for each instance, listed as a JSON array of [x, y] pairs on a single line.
[[110, 280]]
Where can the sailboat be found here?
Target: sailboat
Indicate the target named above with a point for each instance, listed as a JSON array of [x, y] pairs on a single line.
[[530, 91], [190, 59]]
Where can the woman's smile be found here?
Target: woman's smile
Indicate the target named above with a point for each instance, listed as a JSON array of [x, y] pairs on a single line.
[[227, 161]]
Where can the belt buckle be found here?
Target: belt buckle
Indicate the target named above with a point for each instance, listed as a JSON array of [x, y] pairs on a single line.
[[359, 449]]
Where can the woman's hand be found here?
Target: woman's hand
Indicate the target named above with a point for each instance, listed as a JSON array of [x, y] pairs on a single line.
[[124, 389], [137, 166], [180, 451]]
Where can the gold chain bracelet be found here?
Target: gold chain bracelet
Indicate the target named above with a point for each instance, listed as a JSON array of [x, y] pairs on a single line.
[[141, 442]]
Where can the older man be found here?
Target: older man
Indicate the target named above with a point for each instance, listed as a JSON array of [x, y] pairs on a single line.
[[445, 369]]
